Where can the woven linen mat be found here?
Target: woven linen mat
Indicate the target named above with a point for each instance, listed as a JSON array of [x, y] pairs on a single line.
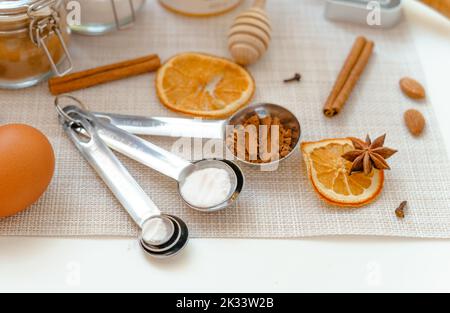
[[278, 204]]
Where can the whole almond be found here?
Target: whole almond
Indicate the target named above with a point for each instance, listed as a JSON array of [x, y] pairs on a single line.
[[412, 88], [415, 122]]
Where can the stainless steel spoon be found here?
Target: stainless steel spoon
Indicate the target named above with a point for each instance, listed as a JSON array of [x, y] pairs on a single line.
[[161, 160], [208, 129], [161, 235]]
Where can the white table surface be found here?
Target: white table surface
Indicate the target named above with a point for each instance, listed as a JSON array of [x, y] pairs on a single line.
[[321, 264]]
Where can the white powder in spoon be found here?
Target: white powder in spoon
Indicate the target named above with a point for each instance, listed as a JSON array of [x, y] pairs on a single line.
[[207, 187]]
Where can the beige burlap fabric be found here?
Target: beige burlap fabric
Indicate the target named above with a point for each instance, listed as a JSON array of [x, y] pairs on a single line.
[[278, 204]]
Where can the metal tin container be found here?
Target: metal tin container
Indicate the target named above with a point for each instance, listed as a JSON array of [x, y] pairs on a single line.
[[98, 17], [33, 42], [373, 13]]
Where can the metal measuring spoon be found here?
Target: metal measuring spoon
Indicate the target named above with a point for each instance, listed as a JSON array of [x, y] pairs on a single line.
[[208, 129], [161, 160], [161, 235]]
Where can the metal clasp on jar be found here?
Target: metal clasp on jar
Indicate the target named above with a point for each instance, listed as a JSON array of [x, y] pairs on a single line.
[[117, 19], [45, 24]]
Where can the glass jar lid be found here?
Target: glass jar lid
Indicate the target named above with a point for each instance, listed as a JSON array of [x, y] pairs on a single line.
[[13, 7], [16, 15]]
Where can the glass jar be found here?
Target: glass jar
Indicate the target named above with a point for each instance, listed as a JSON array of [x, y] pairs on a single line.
[[98, 17], [33, 37], [200, 7]]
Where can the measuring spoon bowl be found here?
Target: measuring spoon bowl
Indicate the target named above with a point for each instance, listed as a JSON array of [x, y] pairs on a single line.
[[235, 174], [175, 246], [158, 231], [169, 241], [263, 110]]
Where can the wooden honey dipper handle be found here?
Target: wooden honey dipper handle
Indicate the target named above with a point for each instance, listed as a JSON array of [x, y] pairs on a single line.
[[442, 6], [259, 4], [250, 34]]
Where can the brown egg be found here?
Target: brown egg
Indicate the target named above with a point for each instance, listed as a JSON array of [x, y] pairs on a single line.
[[27, 163]]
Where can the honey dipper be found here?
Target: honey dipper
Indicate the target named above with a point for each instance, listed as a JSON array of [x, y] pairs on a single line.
[[250, 35]]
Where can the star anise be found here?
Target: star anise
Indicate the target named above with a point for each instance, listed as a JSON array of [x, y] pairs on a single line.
[[368, 155]]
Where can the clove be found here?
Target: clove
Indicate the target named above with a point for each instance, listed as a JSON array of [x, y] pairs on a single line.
[[297, 78], [400, 211]]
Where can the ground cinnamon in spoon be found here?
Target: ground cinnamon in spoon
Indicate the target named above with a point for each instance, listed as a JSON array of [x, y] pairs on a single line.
[[261, 140]]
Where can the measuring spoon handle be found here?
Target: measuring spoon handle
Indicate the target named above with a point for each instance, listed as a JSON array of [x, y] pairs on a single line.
[[114, 174], [141, 150], [167, 126]]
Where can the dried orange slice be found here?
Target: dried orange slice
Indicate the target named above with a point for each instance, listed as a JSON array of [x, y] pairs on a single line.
[[204, 85], [329, 174]]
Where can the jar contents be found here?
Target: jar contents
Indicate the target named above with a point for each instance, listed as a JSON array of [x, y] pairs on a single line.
[[200, 7], [32, 43], [207, 188], [262, 140], [21, 59]]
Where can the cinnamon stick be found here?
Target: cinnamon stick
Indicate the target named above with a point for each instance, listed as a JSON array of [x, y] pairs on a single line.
[[103, 74], [352, 70]]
